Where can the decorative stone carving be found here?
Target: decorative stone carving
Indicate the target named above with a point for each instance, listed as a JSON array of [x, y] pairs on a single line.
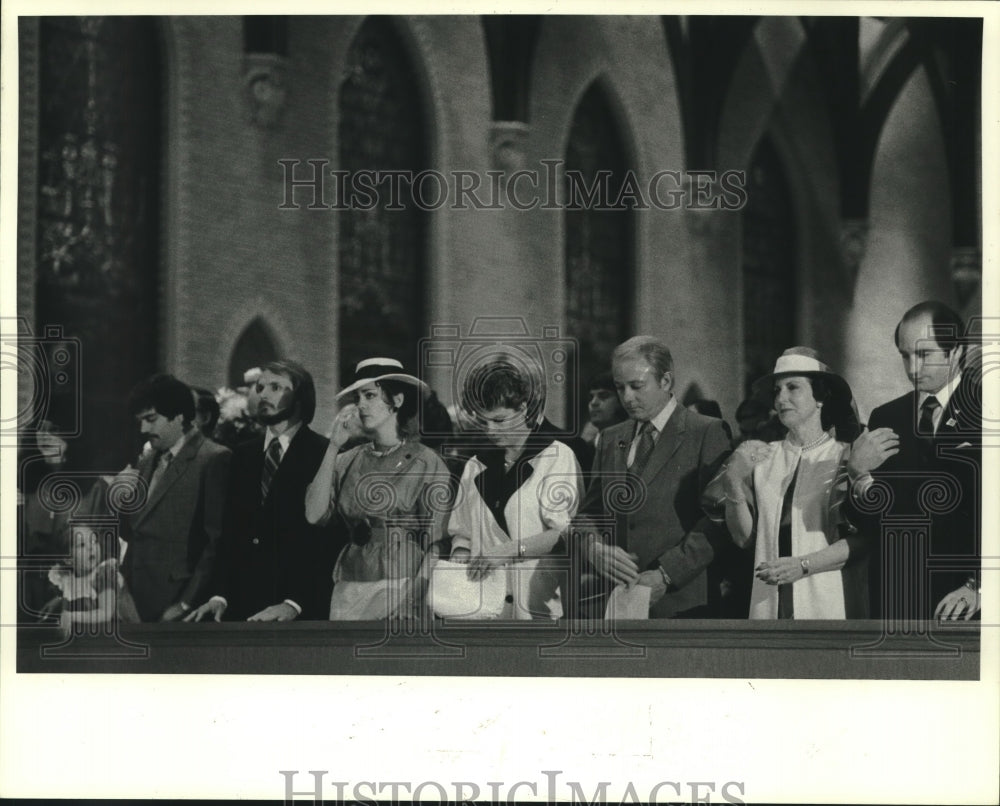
[[966, 272], [508, 139], [853, 243], [264, 76]]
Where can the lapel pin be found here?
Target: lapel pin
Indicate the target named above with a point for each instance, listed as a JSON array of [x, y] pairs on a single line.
[[621, 444], [951, 421]]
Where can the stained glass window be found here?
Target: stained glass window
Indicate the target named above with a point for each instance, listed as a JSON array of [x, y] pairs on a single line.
[[769, 277], [599, 249], [382, 251]]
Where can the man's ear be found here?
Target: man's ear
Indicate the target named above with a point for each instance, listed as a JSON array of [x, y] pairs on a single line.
[[667, 381]]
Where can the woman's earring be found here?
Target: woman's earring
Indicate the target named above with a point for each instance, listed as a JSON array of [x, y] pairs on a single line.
[[819, 405]]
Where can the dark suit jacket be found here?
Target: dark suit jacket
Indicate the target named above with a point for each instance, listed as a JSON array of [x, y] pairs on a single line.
[[270, 553], [948, 462], [667, 526], [173, 539]]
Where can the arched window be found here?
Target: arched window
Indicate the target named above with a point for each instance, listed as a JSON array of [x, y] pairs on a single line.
[[599, 237], [255, 346], [770, 291], [98, 215], [381, 251]]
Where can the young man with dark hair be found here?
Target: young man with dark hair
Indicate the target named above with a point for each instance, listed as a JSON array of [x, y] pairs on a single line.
[[172, 539]]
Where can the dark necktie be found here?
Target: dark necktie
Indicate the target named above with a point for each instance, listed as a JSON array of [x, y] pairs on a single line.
[[272, 458], [785, 609], [926, 423], [643, 449]]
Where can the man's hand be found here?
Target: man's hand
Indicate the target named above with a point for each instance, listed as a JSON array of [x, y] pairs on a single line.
[[653, 580], [613, 562], [870, 450], [278, 612], [962, 603], [175, 611], [213, 607]]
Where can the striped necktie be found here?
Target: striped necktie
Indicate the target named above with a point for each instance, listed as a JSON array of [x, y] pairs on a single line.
[[272, 458], [643, 449]]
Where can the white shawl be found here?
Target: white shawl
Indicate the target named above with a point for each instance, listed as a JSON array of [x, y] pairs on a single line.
[[819, 489]]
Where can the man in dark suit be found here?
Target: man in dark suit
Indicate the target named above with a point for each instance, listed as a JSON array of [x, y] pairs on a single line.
[[172, 539], [667, 454], [925, 446], [274, 565]]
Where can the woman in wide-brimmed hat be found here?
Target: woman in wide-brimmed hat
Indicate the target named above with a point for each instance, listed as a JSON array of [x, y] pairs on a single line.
[[786, 496], [391, 492]]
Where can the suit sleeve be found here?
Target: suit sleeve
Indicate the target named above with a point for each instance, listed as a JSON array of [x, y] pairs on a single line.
[[214, 483], [692, 555]]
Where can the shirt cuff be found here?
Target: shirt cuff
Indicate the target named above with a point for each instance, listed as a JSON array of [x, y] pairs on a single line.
[[860, 485], [298, 609], [219, 599]]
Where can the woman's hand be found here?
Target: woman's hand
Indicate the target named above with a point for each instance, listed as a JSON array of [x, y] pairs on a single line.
[[740, 466], [782, 571], [460, 555], [346, 426], [482, 566]]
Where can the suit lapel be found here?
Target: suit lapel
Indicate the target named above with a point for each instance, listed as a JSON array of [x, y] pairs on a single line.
[[174, 471], [667, 443]]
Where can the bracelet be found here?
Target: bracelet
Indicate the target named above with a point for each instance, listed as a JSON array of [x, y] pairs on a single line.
[[970, 583], [804, 563]]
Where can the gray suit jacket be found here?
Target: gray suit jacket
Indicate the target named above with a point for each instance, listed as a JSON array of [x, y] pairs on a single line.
[[665, 525], [173, 538]]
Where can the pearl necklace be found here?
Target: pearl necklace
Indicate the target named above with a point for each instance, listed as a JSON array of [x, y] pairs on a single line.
[[818, 441]]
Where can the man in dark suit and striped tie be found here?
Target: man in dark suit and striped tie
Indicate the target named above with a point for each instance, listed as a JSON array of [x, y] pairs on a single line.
[[924, 447], [274, 565]]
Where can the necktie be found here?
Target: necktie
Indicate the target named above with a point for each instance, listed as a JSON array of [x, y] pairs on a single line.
[[643, 449], [271, 460], [926, 423], [785, 609], [160, 468]]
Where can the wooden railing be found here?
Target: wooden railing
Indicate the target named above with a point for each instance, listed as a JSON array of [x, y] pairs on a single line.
[[736, 649]]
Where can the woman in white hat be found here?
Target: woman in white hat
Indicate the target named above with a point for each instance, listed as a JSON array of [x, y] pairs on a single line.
[[391, 492], [786, 496]]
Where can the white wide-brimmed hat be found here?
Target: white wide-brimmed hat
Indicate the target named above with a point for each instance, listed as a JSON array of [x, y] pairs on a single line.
[[372, 370], [806, 362]]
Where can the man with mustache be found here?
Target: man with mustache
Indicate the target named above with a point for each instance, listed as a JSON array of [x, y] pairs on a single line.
[[274, 565], [172, 539], [661, 539]]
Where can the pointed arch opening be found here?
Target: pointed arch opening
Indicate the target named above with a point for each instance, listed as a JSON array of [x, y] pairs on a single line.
[[599, 237], [255, 346], [382, 246]]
